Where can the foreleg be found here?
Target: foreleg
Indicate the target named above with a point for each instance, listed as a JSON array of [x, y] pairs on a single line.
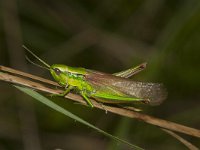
[[67, 90]]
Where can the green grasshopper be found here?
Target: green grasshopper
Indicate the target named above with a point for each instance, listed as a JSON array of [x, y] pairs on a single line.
[[103, 87]]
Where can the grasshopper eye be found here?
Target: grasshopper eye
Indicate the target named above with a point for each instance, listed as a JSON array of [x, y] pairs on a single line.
[[57, 71]]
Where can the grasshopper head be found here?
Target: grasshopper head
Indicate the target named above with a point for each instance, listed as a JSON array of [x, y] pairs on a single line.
[[58, 73]]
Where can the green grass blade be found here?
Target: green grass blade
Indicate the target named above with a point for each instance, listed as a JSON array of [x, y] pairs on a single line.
[[58, 108]]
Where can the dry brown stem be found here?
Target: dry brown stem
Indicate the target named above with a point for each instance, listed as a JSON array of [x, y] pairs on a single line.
[[44, 85]]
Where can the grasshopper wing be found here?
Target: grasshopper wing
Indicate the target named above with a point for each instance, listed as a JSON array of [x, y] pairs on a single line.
[[155, 93]]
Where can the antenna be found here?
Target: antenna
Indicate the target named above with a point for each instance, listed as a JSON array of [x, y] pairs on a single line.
[[35, 63], [43, 62]]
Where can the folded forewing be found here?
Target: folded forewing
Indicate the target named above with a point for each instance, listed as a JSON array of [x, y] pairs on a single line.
[[154, 92]]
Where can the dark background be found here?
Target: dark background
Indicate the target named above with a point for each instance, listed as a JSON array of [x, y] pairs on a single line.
[[107, 36]]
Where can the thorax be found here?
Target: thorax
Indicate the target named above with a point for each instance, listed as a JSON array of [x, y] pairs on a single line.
[[74, 79], [78, 80]]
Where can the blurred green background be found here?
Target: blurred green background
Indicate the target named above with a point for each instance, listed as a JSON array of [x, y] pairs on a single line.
[[107, 36]]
